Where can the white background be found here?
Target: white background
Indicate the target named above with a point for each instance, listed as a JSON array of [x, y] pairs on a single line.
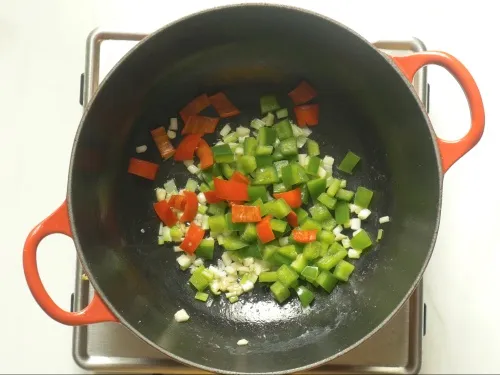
[[42, 50]]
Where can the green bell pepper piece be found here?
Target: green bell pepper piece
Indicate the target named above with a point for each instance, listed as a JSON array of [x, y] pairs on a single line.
[[264, 150], [200, 296], [249, 234], [247, 164], [363, 197], [320, 212], [293, 174], [280, 292], [277, 208], [310, 273], [342, 213], [256, 192], [230, 226], [263, 161], [282, 113], [284, 129], [306, 297], [232, 242], [268, 103], [334, 187], [279, 226], [329, 224], [286, 275], [312, 148], [304, 194], [227, 170], [249, 146], [217, 208], [344, 195], [328, 201], [316, 187], [266, 136], [268, 252], [302, 215], [204, 187], [326, 281], [268, 277], [288, 147], [309, 224], [266, 176], [335, 248], [299, 263], [199, 280], [280, 259], [223, 154], [206, 249], [361, 240], [313, 165], [217, 223], [279, 188], [327, 262], [288, 251], [326, 237], [312, 250], [343, 270], [279, 165], [349, 162]]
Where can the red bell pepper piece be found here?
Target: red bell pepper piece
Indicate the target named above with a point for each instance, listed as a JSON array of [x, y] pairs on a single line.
[[240, 177], [245, 214], [302, 93], [194, 107], [177, 201], [194, 236], [162, 142], [185, 150], [231, 190], [292, 197], [264, 230], [293, 219], [191, 207], [223, 105], [200, 125], [307, 114], [304, 236], [165, 213], [143, 168], [204, 153], [211, 197]]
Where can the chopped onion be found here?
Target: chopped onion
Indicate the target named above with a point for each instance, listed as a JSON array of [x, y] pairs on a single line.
[[225, 130], [226, 258], [328, 160], [247, 286], [201, 198], [181, 316], [353, 254], [215, 287], [166, 234], [161, 194], [204, 223], [219, 143], [340, 237], [364, 213], [302, 159], [346, 242], [257, 123], [354, 208], [174, 125], [301, 141], [141, 149], [177, 249], [187, 163], [321, 172], [171, 134], [242, 131], [384, 219], [297, 132], [238, 151], [242, 139], [248, 261], [184, 261], [283, 241], [160, 240], [306, 131], [343, 184], [329, 181], [242, 342], [142, 230], [356, 232], [338, 230], [220, 239], [170, 186], [198, 262], [193, 169], [355, 223], [269, 119]]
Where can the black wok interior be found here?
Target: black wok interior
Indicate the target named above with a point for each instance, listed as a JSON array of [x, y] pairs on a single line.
[[248, 51]]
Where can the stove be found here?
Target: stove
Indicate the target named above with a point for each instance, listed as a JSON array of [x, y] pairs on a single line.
[[110, 347]]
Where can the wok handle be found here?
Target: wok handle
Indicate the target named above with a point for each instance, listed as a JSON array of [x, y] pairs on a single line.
[[450, 151], [95, 312]]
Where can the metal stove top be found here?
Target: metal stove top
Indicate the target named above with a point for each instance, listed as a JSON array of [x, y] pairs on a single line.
[[110, 347]]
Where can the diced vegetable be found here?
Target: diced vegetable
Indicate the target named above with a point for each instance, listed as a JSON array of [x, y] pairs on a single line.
[[282, 113], [361, 240], [320, 213], [327, 281], [363, 197], [327, 262], [344, 195], [165, 213], [195, 106], [343, 270], [142, 168], [245, 214], [231, 190], [286, 275], [313, 165], [239, 177], [304, 236], [293, 174], [190, 208], [204, 153], [247, 164], [312, 148], [307, 115], [299, 263], [265, 231], [223, 105], [200, 125], [292, 197], [293, 219], [312, 250], [279, 226], [342, 213], [284, 129], [316, 187], [328, 201], [266, 176], [193, 238], [310, 273], [249, 233], [268, 277], [181, 316], [303, 93], [384, 219], [280, 292], [349, 162], [223, 154], [306, 297], [288, 251], [162, 142], [380, 234], [266, 136], [206, 248]]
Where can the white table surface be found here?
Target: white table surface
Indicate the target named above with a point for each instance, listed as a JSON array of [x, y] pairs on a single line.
[[42, 46]]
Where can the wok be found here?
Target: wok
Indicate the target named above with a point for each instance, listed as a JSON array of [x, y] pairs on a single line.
[[367, 104]]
